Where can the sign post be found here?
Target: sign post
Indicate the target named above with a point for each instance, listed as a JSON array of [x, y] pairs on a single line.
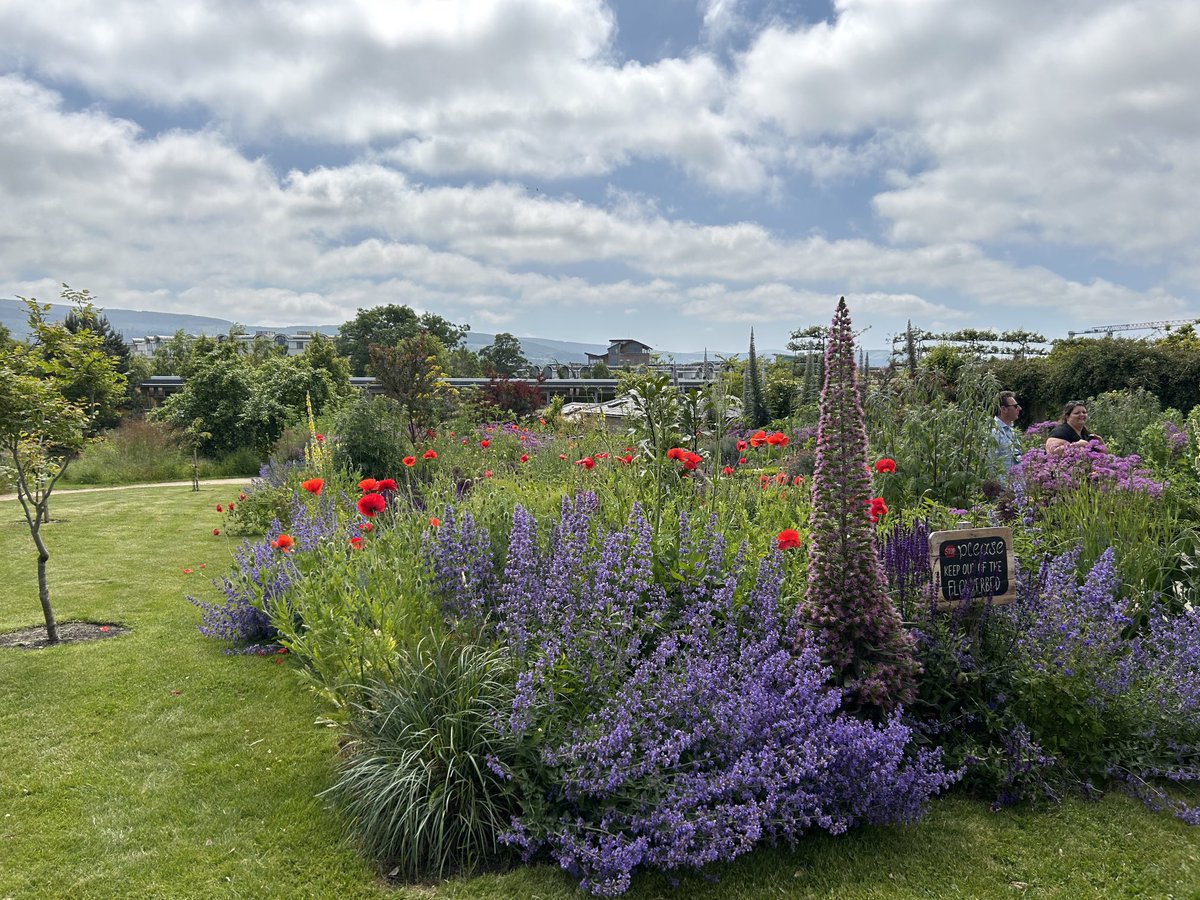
[[973, 562]]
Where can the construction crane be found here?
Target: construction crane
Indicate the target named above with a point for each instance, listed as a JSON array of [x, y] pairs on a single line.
[[1135, 326]]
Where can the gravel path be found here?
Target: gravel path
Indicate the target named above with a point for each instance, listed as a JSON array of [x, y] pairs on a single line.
[[62, 492]]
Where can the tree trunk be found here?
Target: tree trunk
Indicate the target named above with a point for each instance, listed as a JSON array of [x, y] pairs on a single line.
[[44, 589]]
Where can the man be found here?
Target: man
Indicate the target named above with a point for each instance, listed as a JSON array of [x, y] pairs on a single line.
[[1007, 450]]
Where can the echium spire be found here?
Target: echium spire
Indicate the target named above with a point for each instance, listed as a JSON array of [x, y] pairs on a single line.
[[846, 601]]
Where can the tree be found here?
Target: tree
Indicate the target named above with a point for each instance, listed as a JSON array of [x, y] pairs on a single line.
[[503, 356], [464, 363], [50, 391], [846, 599], [386, 326], [111, 343], [321, 353], [601, 370], [216, 393], [412, 373]]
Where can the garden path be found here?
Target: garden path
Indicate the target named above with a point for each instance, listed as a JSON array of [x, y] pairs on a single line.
[[126, 487]]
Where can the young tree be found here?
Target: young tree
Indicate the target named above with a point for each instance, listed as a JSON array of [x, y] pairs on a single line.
[[412, 373], [503, 356], [50, 391]]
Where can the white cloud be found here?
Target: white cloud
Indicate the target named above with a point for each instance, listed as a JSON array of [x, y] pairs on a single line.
[[998, 128]]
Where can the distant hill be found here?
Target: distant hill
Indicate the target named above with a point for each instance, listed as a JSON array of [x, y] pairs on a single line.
[[139, 323]]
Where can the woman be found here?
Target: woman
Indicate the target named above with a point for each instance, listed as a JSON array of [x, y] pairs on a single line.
[[1071, 429]]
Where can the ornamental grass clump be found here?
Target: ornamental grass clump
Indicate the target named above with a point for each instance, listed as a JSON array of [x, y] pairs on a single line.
[[846, 602], [417, 778], [674, 722]]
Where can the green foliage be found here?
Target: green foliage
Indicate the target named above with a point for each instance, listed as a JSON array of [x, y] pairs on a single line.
[[136, 451], [1119, 417], [781, 394], [386, 326], [416, 781], [372, 436], [503, 356], [216, 393], [52, 391], [600, 370], [754, 404], [942, 447], [413, 374], [1079, 368]]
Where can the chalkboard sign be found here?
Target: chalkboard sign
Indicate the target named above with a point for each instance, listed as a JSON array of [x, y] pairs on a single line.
[[973, 562]]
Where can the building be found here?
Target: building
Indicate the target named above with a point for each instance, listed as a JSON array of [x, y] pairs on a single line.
[[622, 352]]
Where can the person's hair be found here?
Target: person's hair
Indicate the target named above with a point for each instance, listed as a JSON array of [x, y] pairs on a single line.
[[1003, 399], [1070, 408]]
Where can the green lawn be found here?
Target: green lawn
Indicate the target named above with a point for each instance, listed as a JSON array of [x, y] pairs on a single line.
[[152, 765]]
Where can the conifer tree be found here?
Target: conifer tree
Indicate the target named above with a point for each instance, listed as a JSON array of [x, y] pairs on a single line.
[[846, 601]]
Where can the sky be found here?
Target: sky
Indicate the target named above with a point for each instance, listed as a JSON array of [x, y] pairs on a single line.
[[675, 171]]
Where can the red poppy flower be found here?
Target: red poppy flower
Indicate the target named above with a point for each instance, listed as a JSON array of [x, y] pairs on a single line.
[[742, 461], [320, 437], [885, 465], [741, 445], [485, 443], [241, 496], [409, 461], [675, 453], [781, 478], [601, 456], [365, 526], [356, 543], [691, 460], [104, 628], [587, 462], [429, 454], [202, 565], [434, 522], [367, 485], [284, 543], [797, 479], [313, 485], [562, 456], [370, 504], [231, 507], [464, 440], [220, 508], [216, 531], [627, 458], [187, 571], [758, 438], [487, 473], [788, 539], [524, 457], [783, 440], [728, 470], [775, 437], [385, 484]]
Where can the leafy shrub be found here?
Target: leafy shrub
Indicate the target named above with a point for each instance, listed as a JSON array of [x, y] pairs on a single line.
[[372, 436], [420, 780], [1120, 416], [514, 398]]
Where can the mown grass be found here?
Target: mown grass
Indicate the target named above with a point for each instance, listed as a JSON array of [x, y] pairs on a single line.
[[152, 765]]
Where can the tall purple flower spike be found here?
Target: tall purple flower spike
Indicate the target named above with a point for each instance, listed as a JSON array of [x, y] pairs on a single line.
[[846, 601]]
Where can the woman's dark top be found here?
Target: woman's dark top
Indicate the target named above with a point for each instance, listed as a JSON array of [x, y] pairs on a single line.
[[1065, 432]]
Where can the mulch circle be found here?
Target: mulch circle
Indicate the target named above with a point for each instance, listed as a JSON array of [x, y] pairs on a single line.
[[34, 638]]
